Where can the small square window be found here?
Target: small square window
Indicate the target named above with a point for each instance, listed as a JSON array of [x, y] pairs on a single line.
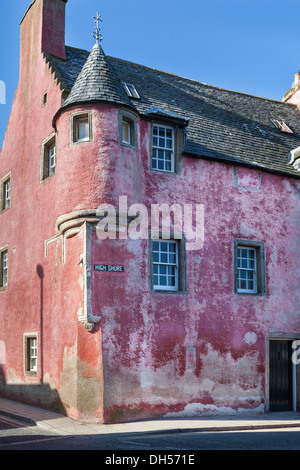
[[127, 129], [5, 192], [4, 268], [31, 354], [81, 128], [249, 267], [126, 132]]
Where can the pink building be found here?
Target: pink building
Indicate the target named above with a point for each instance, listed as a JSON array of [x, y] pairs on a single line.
[[105, 314]]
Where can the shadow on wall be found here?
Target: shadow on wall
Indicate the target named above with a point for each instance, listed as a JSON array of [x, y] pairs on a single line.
[[41, 395]]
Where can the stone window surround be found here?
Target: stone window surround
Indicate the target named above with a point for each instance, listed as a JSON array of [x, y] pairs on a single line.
[[132, 120], [182, 281], [26, 338], [78, 115], [179, 143]]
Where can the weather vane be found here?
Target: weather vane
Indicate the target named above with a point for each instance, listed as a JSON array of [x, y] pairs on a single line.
[[97, 34]]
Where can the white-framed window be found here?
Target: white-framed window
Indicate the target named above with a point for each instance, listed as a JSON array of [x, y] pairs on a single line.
[[5, 192], [52, 159], [165, 264], [249, 267], [246, 270], [4, 268], [48, 159], [31, 353], [81, 129], [127, 123], [163, 147], [126, 131]]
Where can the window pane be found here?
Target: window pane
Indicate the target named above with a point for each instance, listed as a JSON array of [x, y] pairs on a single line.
[[172, 258], [172, 247], [161, 165], [156, 246], [164, 257], [83, 130], [163, 269], [171, 270]]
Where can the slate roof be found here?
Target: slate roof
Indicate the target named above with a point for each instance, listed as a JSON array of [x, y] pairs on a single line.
[[223, 125], [97, 81]]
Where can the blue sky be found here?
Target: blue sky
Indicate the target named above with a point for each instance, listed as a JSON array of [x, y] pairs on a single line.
[[250, 46]]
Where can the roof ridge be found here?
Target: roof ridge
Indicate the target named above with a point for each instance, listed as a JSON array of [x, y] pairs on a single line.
[[199, 82], [189, 79]]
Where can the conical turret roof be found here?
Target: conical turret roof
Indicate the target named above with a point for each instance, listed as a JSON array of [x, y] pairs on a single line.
[[98, 81]]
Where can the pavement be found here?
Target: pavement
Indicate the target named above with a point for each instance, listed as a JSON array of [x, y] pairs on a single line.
[[62, 425]]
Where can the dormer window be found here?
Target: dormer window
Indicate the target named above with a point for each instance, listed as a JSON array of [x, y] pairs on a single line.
[[163, 148], [81, 128], [167, 137]]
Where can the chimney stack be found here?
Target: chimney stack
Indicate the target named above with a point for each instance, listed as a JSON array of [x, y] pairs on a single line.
[[44, 25]]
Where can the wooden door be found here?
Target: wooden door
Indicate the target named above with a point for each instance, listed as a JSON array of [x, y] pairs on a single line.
[[281, 381]]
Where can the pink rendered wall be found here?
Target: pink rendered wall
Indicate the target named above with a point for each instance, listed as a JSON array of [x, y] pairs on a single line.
[[145, 334], [44, 294]]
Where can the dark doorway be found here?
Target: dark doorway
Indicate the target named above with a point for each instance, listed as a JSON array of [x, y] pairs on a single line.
[[281, 378]]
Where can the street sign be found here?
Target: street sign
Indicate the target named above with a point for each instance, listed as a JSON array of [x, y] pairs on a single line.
[[109, 268]]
